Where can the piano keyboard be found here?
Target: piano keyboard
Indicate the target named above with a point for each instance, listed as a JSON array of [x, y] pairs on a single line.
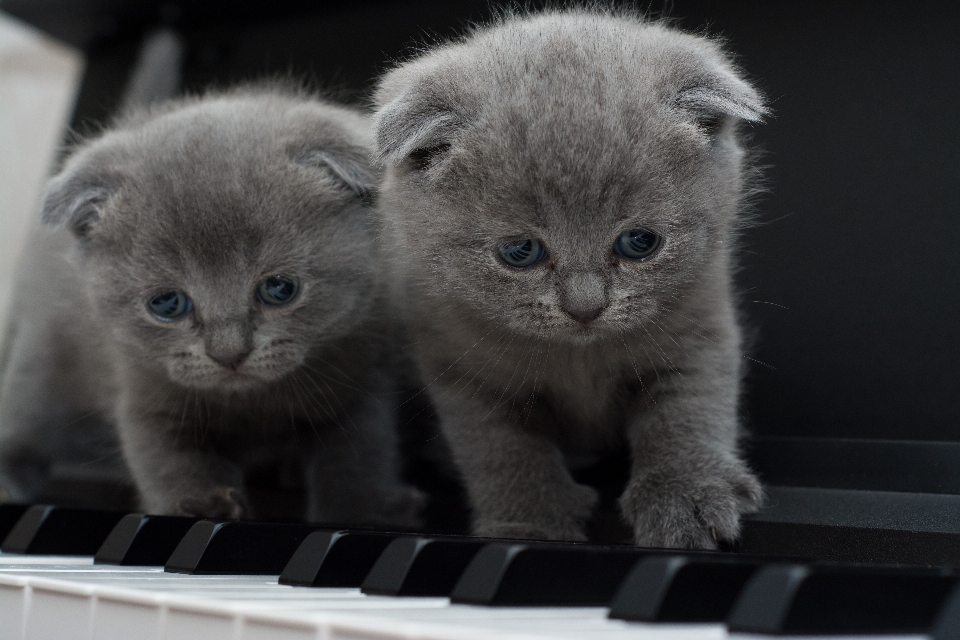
[[539, 590]]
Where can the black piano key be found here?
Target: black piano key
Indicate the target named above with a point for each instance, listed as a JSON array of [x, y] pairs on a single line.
[[416, 566], [682, 588], [794, 599], [49, 530], [237, 548], [9, 514], [143, 540], [507, 574], [335, 558]]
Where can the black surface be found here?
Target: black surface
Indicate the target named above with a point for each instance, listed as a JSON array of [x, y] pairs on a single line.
[[867, 465], [9, 515], [855, 526], [532, 575], [417, 566], [335, 558], [144, 540], [801, 600], [947, 624], [237, 548], [849, 279], [49, 530], [682, 588]]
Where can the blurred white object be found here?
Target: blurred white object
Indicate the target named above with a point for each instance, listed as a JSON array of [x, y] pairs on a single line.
[[39, 78]]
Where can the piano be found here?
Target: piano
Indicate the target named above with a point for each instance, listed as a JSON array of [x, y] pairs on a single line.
[[849, 278], [70, 573]]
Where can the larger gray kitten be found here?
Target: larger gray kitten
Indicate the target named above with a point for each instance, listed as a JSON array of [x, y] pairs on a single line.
[[213, 288], [562, 195]]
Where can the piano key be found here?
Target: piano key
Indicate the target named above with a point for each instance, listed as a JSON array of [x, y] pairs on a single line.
[[139, 539], [418, 566], [545, 574], [252, 608], [682, 588], [840, 599], [335, 558], [49, 530], [237, 547], [9, 514]]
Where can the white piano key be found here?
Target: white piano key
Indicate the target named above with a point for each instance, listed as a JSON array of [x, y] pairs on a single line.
[[280, 630], [115, 615], [21, 559], [59, 610], [13, 594], [210, 621]]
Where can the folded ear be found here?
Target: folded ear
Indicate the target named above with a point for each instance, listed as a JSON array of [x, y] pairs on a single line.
[[74, 202], [412, 124], [728, 99], [349, 167]]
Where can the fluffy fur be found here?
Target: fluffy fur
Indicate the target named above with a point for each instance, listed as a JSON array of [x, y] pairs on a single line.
[[210, 196], [573, 128]]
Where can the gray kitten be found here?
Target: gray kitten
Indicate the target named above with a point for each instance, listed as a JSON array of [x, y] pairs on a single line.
[[213, 288], [562, 193]]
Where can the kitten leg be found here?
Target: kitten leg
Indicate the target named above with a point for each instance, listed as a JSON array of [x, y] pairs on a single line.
[[688, 486], [173, 476], [30, 411], [518, 483], [353, 471]]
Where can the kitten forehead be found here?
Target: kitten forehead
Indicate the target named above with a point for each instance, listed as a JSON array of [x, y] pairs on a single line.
[[568, 113], [564, 79], [566, 51]]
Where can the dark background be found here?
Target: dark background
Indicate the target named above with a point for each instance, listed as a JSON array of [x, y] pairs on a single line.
[[851, 281]]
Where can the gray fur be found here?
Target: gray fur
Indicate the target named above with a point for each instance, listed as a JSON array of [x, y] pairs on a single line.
[[572, 127], [210, 196]]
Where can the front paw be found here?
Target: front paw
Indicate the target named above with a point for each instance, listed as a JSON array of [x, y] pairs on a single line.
[[558, 517], [690, 508], [402, 508], [226, 503]]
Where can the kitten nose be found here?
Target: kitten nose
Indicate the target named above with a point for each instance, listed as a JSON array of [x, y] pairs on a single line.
[[230, 360], [229, 343], [584, 315], [584, 296]]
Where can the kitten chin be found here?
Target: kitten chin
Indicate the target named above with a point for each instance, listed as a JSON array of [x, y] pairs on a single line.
[[209, 282], [562, 191]]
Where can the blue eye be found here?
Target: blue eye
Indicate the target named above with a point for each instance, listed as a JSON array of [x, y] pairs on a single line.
[[523, 253], [278, 290], [170, 305], [638, 244]]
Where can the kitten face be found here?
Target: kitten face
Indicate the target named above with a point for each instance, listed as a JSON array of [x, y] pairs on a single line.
[[526, 140], [222, 248]]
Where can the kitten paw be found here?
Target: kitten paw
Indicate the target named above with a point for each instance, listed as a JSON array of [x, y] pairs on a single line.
[[524, 531], [222, 503], [677, 509], [403, 508], [562, 519]]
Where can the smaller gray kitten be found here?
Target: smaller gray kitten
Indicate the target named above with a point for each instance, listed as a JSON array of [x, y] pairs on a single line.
[[562, 194], [210, 285]]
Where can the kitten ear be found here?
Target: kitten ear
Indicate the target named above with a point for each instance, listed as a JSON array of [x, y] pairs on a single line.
[[410, 123], [74, 203], [727, 96], [351, 169]]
